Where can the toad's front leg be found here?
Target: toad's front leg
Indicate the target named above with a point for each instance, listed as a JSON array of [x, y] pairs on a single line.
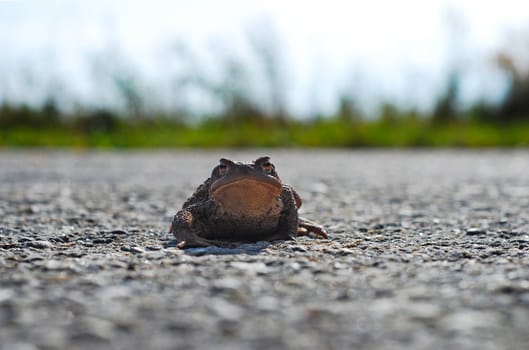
[[187, 229], [306, 227], [288, 221]]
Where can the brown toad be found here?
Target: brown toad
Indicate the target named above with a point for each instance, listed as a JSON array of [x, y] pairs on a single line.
[[241, 202]]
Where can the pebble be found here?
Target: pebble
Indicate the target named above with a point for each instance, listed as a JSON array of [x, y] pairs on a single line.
[[225, 310], [137, 250], [475, 231], [226, 284], [6, 294], [251, 267], [38, 244]]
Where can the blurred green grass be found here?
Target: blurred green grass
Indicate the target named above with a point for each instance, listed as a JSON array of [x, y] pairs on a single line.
[[326, 132]]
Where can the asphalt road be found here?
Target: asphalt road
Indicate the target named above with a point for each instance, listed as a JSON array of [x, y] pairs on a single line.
[[427, 250]]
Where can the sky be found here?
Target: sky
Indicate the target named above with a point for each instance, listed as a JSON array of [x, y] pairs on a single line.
[[397, 51]]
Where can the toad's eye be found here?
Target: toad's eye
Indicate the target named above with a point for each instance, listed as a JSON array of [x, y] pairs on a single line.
[[223, 168], [267, 167]]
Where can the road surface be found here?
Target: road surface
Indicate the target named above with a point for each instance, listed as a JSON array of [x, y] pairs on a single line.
[[427, 250]]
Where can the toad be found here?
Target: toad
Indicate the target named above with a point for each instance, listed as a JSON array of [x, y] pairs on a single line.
[[243, 202]]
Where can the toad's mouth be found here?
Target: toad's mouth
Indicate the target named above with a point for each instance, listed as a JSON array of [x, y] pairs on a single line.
[[250, 195]]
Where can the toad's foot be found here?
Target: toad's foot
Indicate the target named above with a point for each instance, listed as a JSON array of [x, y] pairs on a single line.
[[187, 239], [198, 242], [306, 227]]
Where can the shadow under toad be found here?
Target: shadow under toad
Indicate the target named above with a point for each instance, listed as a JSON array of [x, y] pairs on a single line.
[[236, 248]]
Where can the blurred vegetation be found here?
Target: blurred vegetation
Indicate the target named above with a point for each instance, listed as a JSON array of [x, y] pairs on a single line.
[[243, 120], [480, 126]]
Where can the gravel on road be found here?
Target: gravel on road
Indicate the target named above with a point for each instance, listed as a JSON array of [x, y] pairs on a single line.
[[427, 250]]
